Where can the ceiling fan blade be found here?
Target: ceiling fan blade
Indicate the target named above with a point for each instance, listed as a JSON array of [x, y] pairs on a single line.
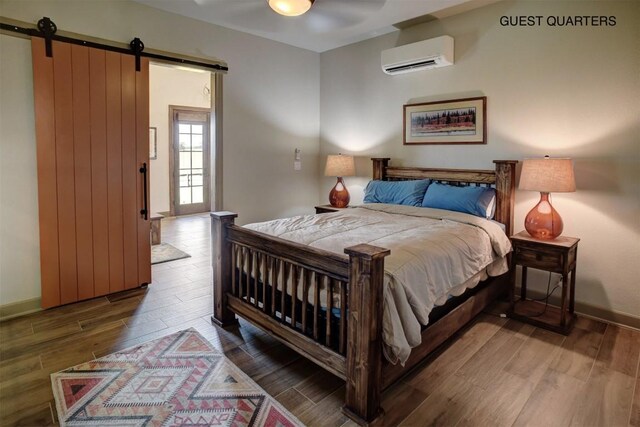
[[255, 14], [352, 5], [233, 4], [328, 15]]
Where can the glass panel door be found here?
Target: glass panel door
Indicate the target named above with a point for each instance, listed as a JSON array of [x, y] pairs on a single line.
[[191, 164]]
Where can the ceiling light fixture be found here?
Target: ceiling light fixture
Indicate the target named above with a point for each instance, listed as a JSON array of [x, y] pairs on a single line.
[[290, 7]]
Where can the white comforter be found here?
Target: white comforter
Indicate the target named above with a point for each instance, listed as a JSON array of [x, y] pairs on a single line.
[[434, 254]]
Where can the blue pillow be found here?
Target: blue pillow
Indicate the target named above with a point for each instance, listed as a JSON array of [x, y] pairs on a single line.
[[479, 201], [408, 193]]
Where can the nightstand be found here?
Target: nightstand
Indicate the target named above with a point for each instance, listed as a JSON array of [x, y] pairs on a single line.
[[328, 208], [556, 256]]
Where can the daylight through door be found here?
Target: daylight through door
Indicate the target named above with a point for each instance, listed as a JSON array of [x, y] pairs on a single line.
[[191, 160]]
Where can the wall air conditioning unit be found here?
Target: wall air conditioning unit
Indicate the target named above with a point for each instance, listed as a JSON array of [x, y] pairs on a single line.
[[432, 53]]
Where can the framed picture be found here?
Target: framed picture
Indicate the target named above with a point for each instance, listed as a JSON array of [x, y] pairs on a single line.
[[153, 143], [456, 121]]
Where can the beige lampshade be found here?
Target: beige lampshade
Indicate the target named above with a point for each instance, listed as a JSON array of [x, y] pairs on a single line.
[[548, 175], [339, 165], [290, 7]]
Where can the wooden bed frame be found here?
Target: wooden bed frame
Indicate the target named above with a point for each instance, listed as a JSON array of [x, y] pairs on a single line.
[[345, 340]]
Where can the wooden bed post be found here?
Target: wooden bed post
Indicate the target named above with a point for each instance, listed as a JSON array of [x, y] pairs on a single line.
[[364, 348], [221, 262], [506, 192], [380, 167]]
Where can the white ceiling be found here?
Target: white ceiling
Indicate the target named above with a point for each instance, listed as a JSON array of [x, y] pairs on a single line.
[[328, 25]]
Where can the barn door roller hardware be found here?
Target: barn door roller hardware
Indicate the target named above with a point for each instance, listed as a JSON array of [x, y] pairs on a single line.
[[137, 47], [47, 29]]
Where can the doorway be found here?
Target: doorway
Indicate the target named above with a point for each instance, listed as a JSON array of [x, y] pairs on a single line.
[[189, 161], [184, 110]]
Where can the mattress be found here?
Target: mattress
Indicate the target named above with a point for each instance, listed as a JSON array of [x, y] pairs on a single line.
[[435, 254]]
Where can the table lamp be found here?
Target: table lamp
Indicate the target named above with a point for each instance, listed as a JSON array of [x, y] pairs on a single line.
[[546, 175], [339, 166]]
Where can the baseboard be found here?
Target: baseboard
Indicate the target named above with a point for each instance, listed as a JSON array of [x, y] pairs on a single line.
[[587, 310], [19, 308]]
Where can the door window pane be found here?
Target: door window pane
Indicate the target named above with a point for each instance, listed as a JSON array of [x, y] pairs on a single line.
[[198, 194], [185, 142], [196, 129], [196, 159], [185, 160], [197, 142], [184, 180], [182, 128], [185, 195], [196, 180]]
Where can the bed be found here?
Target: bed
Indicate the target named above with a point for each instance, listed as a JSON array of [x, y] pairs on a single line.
[[332, 308]]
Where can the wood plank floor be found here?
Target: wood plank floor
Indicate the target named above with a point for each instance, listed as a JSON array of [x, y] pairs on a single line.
[[495, 372]]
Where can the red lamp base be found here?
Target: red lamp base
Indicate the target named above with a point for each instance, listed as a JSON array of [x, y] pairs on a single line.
[[543, 221], [339, 196]]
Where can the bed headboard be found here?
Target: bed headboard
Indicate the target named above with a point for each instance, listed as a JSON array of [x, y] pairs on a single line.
[[502, 178]]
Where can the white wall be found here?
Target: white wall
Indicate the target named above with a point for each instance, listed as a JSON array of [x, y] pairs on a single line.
[[170, 86], [19, 234], [271, 106], [569, 91]]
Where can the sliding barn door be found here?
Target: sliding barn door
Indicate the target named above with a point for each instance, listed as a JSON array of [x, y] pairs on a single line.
[[92, 131]]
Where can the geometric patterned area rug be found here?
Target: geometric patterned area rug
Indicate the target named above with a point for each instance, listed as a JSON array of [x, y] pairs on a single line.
[[177, 380], [165, 252]]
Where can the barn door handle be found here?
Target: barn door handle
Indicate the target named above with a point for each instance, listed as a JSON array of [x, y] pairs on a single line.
[[145, 210]]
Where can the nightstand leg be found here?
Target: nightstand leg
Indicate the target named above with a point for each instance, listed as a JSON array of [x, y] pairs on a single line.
[[563, 308], [523, 284], [572, 298], [512, 284]]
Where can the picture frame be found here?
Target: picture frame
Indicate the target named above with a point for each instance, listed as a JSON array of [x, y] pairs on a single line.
[[153, 143], [453, 121]]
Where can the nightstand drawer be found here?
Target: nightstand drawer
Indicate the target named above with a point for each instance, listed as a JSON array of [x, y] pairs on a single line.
[[538, 257], [545, 257], [327, 209], [320, 210]]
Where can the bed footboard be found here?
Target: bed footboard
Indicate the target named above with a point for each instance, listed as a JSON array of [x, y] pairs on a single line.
[[322, 305]]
